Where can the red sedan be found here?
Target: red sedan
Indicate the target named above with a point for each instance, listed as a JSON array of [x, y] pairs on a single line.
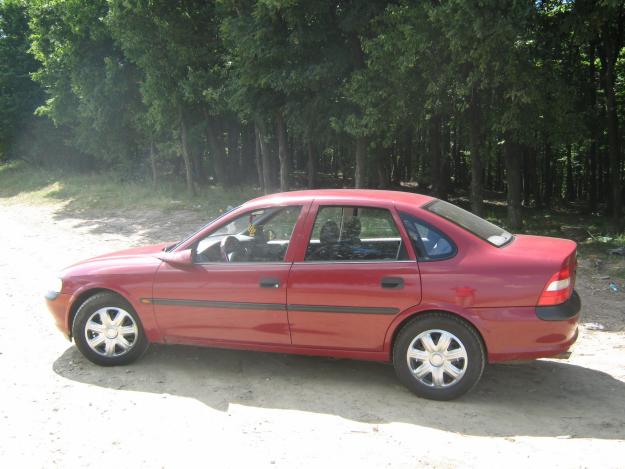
[[363, 274]]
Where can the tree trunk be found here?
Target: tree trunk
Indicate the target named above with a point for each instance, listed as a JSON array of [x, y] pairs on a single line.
[[570, 190], [234, 164], [283, 152], [533, 176], [312, 166], [185, 155], [361, 162], [408, 157], [266, 157], [258, 159], [527, 184], [381, 168], [547, 175], [594, 137], [153, 161], [513, 178], [456, 158], [397, 165], [475, 143], [215, 143], [609, 56], [445, 170], [248, 153], [436, 156], [198, 167], [592, 185]]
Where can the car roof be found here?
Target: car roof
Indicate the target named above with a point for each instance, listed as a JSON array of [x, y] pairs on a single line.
[[346, 196]]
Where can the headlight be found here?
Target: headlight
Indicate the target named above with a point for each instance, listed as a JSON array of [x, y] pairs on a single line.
[[54, 286]]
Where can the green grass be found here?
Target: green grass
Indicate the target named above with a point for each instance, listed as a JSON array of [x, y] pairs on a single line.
[[20, 183]]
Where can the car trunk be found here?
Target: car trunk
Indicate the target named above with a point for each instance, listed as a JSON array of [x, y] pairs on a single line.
[[557, 255]]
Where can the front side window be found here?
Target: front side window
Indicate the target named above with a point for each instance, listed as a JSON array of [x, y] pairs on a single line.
[[428, 242], [261, 235], [355, 234]]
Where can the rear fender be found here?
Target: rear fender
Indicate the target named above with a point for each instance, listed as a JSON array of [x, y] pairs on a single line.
[[408, 314]]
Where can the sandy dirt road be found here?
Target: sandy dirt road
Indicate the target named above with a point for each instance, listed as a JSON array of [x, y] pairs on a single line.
[[187, 406]]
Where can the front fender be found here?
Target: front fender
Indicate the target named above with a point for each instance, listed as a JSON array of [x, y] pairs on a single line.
[[130, 291]]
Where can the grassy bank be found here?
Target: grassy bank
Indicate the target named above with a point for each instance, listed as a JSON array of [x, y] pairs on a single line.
[[20, 183]]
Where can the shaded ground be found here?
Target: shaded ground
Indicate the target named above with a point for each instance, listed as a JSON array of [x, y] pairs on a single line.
[[219, 408]]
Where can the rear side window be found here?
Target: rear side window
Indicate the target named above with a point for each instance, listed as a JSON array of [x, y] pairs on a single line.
[[355, 234], [478, 226], [429, 243]]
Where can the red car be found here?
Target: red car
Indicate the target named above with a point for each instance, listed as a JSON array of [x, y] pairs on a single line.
[[363, 274]]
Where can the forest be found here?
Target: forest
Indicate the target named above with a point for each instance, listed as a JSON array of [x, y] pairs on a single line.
[[517, 100]]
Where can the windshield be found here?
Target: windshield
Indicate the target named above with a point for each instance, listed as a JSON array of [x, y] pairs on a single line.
[[478, 226], [186, 238]]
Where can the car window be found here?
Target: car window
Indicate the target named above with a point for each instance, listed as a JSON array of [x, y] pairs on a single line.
[[261, 235], [428, 242], [355, 234], [472, 223]]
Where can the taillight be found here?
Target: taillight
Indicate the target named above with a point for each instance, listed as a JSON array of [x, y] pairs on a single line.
[[560, 286]]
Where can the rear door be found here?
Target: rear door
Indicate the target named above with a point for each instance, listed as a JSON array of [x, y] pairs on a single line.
[[353, 277]]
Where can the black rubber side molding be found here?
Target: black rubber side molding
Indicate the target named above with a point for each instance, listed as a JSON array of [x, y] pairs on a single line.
[[562, 312]]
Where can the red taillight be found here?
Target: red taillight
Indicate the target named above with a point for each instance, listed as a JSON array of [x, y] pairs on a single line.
[[560, 286]]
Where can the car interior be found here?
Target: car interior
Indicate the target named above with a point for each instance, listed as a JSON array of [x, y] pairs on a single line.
[[355, 234], [259, 236]]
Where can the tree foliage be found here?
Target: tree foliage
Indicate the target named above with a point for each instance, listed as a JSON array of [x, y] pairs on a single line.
[[449, 97]]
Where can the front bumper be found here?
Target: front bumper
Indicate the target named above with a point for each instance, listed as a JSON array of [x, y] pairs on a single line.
[[58, 305]]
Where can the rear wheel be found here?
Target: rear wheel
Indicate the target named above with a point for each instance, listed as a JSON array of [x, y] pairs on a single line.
[[107, 330], [438, 356]]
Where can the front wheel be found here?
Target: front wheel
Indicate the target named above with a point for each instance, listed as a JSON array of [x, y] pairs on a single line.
[[438, 356], [107, 330]]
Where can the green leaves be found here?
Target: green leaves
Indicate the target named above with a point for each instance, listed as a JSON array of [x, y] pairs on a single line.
[[19, 96]]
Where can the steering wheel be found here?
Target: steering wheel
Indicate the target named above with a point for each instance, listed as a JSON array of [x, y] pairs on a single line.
[[228, 245]]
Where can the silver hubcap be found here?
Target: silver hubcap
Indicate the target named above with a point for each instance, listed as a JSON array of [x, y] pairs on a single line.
[[437, 358], [111, 332]]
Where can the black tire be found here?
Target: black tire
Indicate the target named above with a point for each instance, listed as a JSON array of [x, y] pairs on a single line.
[[97, 302], [465, 333]]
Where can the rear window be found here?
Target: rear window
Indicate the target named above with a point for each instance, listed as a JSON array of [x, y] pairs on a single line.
[[478, 226]]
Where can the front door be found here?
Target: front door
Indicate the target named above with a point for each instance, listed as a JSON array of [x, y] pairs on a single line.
[[355, 277], [236, 289]]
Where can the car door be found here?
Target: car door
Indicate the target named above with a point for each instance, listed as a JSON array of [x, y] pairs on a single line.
[[353, 277], [235, 291]]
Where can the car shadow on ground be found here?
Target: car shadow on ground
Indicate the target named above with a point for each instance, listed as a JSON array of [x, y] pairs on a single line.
[[541, 398]]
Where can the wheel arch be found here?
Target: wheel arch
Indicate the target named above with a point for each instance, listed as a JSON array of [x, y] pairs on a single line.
[[83, 296], [403, 319]]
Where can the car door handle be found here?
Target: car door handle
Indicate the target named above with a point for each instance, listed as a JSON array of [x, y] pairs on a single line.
[[392, 282], [269, 282]]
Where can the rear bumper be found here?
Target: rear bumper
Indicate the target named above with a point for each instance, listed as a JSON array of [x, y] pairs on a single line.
[[59, 307], [566, 310], [526, 333]]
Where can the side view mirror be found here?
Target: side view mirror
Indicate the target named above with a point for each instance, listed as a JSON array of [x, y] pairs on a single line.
[[178, 258]]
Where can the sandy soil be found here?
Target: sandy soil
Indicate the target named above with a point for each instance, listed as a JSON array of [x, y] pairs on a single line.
[[219, 408]]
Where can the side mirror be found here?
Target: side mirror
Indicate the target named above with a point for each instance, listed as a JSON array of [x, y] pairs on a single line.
[[177, 258]]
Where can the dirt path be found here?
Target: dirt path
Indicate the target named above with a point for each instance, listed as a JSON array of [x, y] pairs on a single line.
[[217, 408]]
